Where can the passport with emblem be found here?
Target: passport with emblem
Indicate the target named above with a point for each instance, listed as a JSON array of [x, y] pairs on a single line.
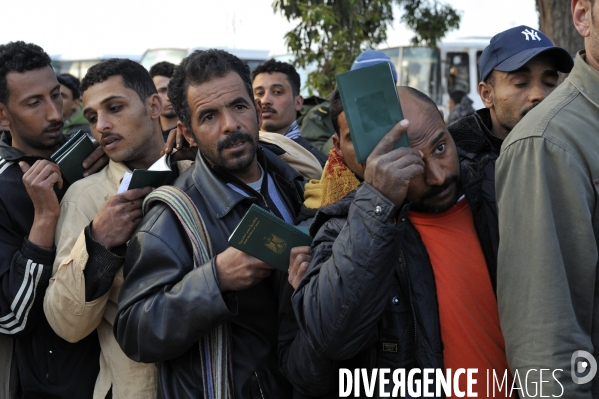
[[267, 237], [70, 156], [371, 106]]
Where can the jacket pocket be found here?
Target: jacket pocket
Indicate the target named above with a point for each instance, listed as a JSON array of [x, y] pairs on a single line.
[[395, 345]]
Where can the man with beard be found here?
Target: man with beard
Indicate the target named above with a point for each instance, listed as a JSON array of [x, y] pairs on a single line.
[[547, 195], [161, 74], [31, 187], [168, 306], [403, 267], [123, 108], [518, 70]]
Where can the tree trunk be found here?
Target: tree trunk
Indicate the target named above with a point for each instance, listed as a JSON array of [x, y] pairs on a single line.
[[555, 20]]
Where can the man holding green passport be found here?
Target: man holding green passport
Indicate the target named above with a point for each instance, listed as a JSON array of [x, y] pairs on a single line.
[[404, 260], [168, 308]]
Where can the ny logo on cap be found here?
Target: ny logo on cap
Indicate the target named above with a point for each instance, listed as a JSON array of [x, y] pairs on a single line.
[[533, 34]]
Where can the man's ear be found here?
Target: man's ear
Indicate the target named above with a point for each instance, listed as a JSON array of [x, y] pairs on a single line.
[[4, 121], [299, 102], [155, 104], [336, 144], [485, 90], [581, 14], [187, 134], [258, 112]]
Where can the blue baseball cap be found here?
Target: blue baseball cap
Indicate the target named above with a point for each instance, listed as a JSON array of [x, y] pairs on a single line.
[[373, 57], [511, 49]]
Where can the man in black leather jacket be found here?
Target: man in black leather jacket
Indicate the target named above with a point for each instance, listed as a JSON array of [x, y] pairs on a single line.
[[369, 298], [166, 306]]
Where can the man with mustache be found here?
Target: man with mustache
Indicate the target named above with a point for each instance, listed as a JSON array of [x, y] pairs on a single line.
[[121, 103], [403, 263], [518, 70], [31, 187], [277, 85], [161, 74], [170, 308]]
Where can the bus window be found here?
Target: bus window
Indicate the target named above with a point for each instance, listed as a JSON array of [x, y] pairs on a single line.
[[155, 56], [418, 67], [458, 77]]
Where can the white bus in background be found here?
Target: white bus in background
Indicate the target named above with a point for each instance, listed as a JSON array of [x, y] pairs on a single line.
[[452, 65], [176, 55], [78, 66]]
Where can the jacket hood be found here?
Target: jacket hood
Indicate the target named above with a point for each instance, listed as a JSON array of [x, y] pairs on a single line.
[[473, 133]]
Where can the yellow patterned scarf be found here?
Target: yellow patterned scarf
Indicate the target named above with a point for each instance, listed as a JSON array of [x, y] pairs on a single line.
[[335, 183]]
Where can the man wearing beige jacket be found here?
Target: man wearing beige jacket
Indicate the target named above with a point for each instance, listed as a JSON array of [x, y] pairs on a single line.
[[547, 180], [123, 108]]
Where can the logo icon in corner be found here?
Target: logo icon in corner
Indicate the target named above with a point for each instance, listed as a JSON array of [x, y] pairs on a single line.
[[579, 364]]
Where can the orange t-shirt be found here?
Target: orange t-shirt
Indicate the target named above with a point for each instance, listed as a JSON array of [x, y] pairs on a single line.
[[467, 306]]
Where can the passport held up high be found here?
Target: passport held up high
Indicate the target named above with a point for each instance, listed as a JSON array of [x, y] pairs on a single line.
[[371, 106], [267, 237]]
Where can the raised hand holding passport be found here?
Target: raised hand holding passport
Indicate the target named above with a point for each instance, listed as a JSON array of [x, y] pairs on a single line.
[[390, 171]]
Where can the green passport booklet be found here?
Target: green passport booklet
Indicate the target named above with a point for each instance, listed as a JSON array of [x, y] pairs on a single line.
[[155, 176], [267, 237], [71, 155], [371, 107]]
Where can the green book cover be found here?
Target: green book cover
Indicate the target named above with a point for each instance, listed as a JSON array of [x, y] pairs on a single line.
[[371, 107], [148, 178], [267, 237], [70, 156]]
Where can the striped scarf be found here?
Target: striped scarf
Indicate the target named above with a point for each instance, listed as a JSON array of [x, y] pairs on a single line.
[[293, 132], [215, 348]]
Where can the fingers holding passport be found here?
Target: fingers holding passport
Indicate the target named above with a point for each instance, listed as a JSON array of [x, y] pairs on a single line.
[[237, 270], [118, 217], [299, 262], [390, 170]]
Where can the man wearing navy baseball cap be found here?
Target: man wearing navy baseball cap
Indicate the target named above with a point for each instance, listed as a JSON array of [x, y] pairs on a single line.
[[547, 181], [519, 69]]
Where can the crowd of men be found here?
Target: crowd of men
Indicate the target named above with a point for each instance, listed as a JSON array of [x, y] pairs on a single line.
[[474, 248]]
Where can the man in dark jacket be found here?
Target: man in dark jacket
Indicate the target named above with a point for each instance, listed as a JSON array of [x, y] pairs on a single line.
[[518, 70], [399, 264], [30, 189], [166, 305]]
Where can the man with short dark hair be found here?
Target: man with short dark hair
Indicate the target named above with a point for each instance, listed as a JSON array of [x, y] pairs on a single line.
[[161, 74], [277, 85], [547, 195], [31, 187], [168, 307], [95, 224], [404, 260], [518, 69]]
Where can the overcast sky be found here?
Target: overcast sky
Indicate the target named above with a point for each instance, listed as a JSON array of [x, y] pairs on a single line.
[[85, 29]]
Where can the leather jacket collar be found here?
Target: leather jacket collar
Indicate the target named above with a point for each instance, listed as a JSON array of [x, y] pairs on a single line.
[[211, 181]]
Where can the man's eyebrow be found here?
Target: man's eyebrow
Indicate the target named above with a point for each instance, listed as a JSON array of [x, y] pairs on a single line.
[[523, 69], [550, 73], [106, 100], [437, 139], [57, 87], [238, 100]]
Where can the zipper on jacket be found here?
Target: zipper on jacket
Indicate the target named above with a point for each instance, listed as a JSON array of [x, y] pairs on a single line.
[[259, 386], [407, 273]]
